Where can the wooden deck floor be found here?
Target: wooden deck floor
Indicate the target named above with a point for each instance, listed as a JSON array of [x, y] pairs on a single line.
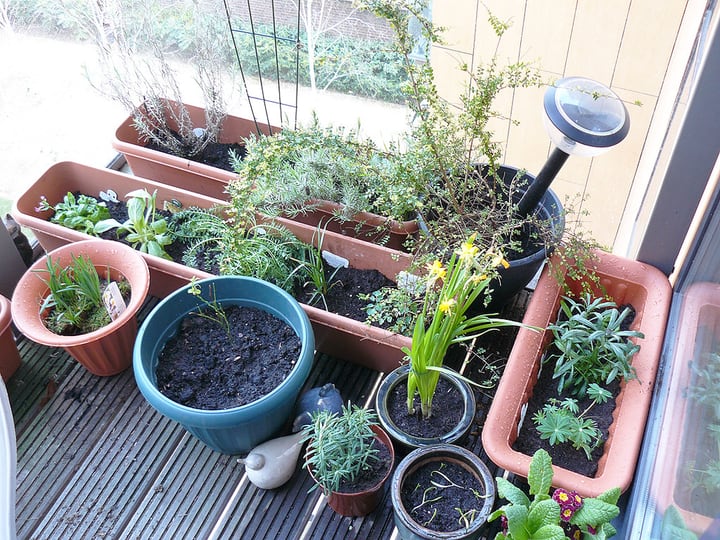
[[96, 461]]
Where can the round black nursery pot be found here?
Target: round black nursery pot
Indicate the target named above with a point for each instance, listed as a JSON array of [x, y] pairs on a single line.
[[521, 271], [405, 441], [234, 430], [408, 528]]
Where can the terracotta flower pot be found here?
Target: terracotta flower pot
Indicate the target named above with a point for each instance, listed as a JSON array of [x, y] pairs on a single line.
[[335, 335], [181, 172], [626, 282], [108, 350], [408, 528], [684, 438], [408, 442], [9, 356], [363, 502]]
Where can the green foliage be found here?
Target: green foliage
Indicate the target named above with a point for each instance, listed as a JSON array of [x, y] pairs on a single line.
[[213, 309], [145, 231], [561, 421], [81, 213], [314, 268], [593, 347], [548, 517], [232, 243], [394, 308], [674, 527], [74, 305], [339, 447], [444, 322], [292, 169]]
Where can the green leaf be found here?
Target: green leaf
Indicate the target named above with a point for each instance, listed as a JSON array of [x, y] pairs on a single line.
[[135, 209], [106, 225], [541, 473], [595, 512], [548, 532], [611, 496], [517, 520], [511, 493], [543, 513]]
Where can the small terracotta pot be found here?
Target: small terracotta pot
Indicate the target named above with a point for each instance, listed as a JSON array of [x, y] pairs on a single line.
[[108, 350], [408, 442], [9, 356], [363, 502], [626, 282]]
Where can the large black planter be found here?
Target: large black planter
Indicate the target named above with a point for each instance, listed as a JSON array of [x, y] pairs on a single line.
[[406, 442]]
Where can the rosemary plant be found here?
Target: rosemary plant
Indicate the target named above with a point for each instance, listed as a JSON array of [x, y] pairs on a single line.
[[339, 447]]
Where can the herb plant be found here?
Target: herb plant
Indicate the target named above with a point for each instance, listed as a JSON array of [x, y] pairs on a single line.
[[562, 421], [546, 517], [214, 310], [75, 304], [313, 268], [340, 447], [592, 345], [80, 213], [145, 231], [443, 322]]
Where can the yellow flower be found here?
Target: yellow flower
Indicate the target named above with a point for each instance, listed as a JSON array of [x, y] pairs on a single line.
[[468, 252], [437, 270], [446, 305], [499, 260]]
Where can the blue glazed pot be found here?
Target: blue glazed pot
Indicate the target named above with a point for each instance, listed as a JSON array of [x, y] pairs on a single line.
[[236, 430]]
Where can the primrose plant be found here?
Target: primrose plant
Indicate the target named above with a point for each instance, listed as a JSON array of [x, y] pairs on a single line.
[[145, 230], [564, 514]]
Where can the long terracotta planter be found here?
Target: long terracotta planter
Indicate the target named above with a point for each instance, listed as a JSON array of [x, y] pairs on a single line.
[[181, 172], [625, 281], [9, 356], [337, 336], [108, 350], [683, 432]]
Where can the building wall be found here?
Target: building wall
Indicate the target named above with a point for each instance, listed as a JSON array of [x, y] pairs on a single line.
[[625, 44]]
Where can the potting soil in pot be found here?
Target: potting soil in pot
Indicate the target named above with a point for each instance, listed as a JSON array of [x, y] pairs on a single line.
[[436, 493], [214, 154], [447, 409], [204, 368], [371, 477]]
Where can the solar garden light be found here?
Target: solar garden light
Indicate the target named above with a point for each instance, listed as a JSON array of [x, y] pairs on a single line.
[[583, 118]]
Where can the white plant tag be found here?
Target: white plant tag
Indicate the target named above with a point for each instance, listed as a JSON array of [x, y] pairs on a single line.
[[108, 196], [409, 282], [336, 261], [113, 300]]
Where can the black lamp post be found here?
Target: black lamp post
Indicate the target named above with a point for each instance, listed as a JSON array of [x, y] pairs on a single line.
[[583, 118]]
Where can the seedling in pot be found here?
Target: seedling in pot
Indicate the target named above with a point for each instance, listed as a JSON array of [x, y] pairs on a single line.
[[145, 231], [214, 311], [80, 213]]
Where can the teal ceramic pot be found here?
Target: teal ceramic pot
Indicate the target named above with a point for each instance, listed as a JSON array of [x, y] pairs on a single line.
[[236, 430]]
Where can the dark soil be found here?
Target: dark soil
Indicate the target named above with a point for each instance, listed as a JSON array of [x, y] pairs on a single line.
[[203, 368], [447, 404], [214, 154], [348, 283], [564, 455], [371, 477], [443, 514]]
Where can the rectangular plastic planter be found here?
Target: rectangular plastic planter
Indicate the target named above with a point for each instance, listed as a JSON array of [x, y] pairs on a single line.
[[626, 282], [335, 335]]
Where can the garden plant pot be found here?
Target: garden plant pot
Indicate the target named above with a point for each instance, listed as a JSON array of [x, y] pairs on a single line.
[[408, 528], [182, 172], [108, 350], [235, 430], [685, 440], [407, 442], [335, 335], [626, 282], [364, 502], [9, 356]]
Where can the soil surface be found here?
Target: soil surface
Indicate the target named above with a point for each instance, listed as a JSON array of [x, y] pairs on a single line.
[[214, 154], [372, 476], [447, 404], [421, 488], [204, 368]]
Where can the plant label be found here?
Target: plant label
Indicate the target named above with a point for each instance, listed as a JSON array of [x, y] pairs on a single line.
[[336, 261], [113, 300]]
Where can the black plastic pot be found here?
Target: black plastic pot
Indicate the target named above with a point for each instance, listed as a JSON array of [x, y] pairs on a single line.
[[408, 529], [406, 442]]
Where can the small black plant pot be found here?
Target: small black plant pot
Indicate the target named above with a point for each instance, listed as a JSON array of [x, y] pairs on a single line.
[[442, 455], [405, 441]]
